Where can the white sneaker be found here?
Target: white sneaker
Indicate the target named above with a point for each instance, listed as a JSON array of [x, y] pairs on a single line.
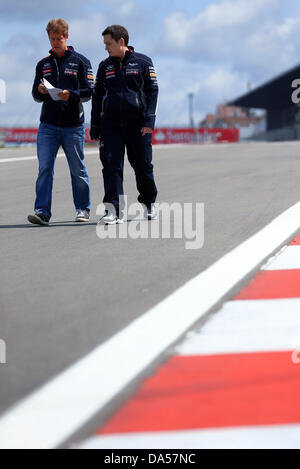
[[82, 216], [110, 218], [150, 212]]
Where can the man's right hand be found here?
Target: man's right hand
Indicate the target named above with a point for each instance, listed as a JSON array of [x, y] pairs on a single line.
[[42, 89], [94, 133]]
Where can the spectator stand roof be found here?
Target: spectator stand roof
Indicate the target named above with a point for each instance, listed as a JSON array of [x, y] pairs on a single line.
[[274, 94]]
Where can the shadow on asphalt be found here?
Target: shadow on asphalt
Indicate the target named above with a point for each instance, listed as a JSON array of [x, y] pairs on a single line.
[[58, 224], [52, 225]]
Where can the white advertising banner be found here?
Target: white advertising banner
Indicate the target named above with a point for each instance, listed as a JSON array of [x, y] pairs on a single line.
[[2, 92]]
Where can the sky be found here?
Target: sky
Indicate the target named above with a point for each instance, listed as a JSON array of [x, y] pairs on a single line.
[[212, 48]]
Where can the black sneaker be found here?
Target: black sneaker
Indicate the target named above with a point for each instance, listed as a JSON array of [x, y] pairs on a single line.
[[38, 219]]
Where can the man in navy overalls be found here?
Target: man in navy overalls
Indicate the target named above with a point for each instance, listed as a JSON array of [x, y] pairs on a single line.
[[123, 116]]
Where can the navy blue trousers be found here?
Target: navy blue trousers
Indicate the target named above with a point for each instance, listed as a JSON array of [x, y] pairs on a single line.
[[113, 141]]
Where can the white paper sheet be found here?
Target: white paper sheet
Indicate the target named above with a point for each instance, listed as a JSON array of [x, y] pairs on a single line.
[[54, 92]]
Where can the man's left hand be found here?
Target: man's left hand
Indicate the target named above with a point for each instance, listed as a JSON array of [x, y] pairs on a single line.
[[146, 130], [64, 95]]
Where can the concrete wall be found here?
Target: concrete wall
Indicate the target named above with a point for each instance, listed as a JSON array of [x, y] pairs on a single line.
[[279, 135], [2, 139]]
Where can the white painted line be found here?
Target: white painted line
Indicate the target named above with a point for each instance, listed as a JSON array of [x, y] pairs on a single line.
[[53, 413], [262, 437], [94, 152], [289, 259], [28, 158], [22, 158], [248, 326], [272, 259]]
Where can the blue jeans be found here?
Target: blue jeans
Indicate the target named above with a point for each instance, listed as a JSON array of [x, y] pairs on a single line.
[[49, 139]]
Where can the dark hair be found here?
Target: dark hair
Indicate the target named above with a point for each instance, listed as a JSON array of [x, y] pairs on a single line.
[[117, 32]]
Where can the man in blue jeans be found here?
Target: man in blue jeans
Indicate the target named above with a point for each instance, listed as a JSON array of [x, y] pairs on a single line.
[[62, 122]]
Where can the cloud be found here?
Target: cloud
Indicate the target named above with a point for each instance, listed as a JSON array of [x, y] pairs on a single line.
[[86, 33], [20, 51], [213, 52], [248, 35], [20, 109], [31, 10], [210, 84], [216, 19]]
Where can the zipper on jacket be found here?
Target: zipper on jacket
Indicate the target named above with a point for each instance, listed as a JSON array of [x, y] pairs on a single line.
[[122, 95], [59, 111], [57, 69]]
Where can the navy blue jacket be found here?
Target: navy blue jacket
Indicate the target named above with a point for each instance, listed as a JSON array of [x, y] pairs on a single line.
[[125, 91], [72, 72]]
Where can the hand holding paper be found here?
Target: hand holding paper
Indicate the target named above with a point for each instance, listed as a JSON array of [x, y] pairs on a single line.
[[54, 92], [42, 89], [64, 95]]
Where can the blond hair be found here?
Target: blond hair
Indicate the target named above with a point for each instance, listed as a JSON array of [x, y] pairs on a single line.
[[58, 25]]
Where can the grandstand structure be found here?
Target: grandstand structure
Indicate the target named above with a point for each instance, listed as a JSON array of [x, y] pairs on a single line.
[[280, 98]]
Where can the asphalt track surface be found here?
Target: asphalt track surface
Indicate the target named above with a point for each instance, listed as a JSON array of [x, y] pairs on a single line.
[[64, 291]]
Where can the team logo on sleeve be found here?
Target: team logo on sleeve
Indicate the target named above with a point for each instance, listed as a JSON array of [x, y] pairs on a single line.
[[90, 75], [152, 73]]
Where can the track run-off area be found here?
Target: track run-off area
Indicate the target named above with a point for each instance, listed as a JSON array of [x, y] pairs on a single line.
[[104, 335]]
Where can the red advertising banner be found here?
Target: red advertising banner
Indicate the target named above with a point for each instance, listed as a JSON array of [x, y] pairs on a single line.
[[28, 135], [20, 135], [161, 136], [190, 135], [87, 136]]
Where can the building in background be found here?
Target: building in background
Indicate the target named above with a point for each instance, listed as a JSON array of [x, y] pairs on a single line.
[[2, 101], [246, 120]]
